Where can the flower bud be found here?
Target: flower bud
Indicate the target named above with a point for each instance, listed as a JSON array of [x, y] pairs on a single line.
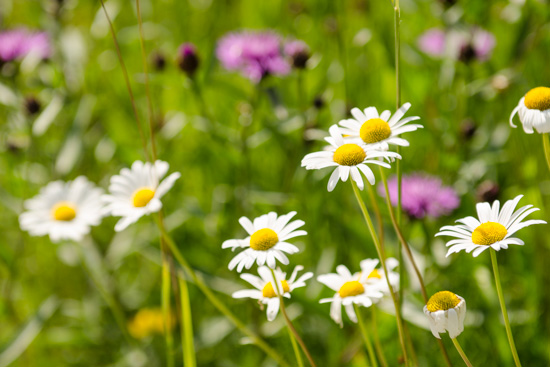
[[188, 60]]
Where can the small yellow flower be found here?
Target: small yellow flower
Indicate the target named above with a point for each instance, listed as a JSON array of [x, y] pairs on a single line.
[[147, 322]]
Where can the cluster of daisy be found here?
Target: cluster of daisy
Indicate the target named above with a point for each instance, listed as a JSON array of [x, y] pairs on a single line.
[[67, 210], [266, 244], [362, 141]]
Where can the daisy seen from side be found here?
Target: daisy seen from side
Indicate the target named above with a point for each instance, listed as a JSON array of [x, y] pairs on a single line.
[[137, 191], [533, 110], [494, 228]]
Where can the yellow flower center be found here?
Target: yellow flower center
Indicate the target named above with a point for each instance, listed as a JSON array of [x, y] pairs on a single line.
[[142, 197], [538, 99], [375, 130], [351, 288], [349, 155], [269, 292], [489, 233], [374, 274], [63, 211], [442, 301], [263, 239]]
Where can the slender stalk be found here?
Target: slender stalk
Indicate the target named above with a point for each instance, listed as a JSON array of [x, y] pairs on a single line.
[[295, 348], [461, 352], [186, 325], [546, 144], [216, 302], [377, 345], [366, 338], [127, 80], [383, 261], [147, 89], [167, 312], [408, 252], [378, 215], [503, 307], [288, 322]]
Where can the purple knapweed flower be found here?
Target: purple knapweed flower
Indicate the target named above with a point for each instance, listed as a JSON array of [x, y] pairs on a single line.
[[422, 195], [465, 45], [18, 43], [254, 54]]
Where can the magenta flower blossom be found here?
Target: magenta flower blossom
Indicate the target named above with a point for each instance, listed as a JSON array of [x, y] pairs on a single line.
[[18, 43], [422, 195], [253, 54], [464, 45]]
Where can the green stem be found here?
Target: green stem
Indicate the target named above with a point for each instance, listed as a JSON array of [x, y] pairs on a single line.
[[295, 348], [366, 338], [408, 252], [377, 345], [147, 89], [167, 312], [503, 307], [546, 144], [461, 352], [377, 214], [216, 302], [383, 262], [186, 325], [288, 322]]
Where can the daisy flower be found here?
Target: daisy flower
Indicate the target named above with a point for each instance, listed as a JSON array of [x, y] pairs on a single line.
[[534, 111], [348, 158], [265, 292], [137, 191], [379, 130], [446, 312], [493, 229], [266, 242], [376, 275], [350, 289], [63, 210]]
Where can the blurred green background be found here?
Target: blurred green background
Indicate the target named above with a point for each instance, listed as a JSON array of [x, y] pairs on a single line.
[[51, 313]]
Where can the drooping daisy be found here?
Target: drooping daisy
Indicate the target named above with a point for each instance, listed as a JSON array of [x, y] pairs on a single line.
[[348, 158], [493, 229], [63, 210], [350, 289], [378, 131], [265, 292], [446, 312], [377, 276], [534, 111], [266, 242], [137, 191]]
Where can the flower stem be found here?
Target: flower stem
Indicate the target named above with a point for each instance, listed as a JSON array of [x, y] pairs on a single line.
[[295, 348], [408, 252], [189, 359], [503, 307], [461, 352], [216, 302], [288, 322], [166, 311], [546, 144], [377, 214], [377, 344], [383, 262], [366, 337]]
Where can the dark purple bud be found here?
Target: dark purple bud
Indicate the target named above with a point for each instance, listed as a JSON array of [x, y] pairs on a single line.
[[188, 60], [32, 105], [487, 191], [159, 61], [468, 128]]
